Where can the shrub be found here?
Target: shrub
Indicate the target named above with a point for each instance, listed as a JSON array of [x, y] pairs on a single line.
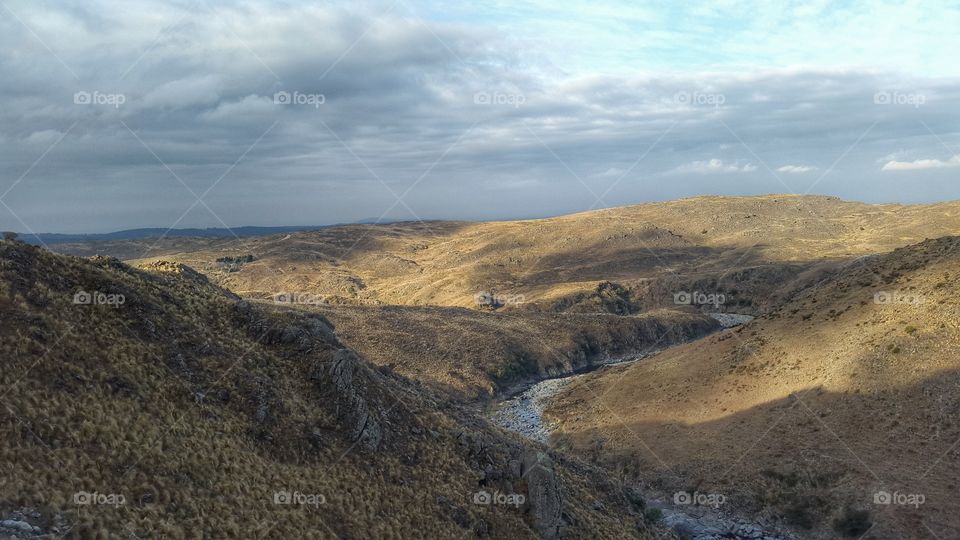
[[853, 522], [798, 514], [636, 499]]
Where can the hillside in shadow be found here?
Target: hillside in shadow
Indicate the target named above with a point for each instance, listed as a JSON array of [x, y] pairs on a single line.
[[849, 386], [807, 458], [150, 402]]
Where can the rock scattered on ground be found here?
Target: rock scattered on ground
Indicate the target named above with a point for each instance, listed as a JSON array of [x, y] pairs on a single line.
[[729, 320], [523, 413]]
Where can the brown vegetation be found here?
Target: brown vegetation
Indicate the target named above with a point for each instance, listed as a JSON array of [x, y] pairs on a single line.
[[477, 354], [848, 389], [755, 246], [198, 409], [800, 416]]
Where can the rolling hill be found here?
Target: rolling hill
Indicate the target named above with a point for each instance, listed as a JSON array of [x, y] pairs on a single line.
[[801, 417], [152, 403], [847, 391], [480, 355], [755, 249]]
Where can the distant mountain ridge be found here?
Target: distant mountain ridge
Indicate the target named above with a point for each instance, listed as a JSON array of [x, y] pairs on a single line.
[[136, 234], [209, 232]]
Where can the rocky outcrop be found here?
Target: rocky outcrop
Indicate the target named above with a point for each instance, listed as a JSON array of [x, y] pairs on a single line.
[[310, 333], [352, 407], [342, 378], [306, 332], [714, 526], [543, 494]]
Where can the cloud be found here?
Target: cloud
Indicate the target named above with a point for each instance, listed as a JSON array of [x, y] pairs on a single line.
[[715, 166], [400, 117], [921, 164], [612, 172], [621, 35], [796, 169]]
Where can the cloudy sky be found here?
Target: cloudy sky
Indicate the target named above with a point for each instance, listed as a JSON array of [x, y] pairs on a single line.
[[210, 113]]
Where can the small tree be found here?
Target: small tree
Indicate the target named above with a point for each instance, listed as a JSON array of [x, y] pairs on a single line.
[[9, 236]]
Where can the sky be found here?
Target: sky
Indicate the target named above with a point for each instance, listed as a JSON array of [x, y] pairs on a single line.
[[208, 113]]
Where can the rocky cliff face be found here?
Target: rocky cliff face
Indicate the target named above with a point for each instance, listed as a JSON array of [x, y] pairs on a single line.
[[544, 493], [352, 407]]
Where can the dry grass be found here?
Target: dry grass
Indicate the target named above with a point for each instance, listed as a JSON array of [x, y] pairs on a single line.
[[197, 407], [754, 413], [479, 354], [558, 263], [807, 411]]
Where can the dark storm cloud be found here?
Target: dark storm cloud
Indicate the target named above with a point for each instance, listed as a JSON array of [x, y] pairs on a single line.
[[391, 102]]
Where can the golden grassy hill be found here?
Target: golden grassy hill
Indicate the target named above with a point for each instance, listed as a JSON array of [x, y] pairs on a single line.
[[806, 412], [182, 411], [477, 354], [754, 245]]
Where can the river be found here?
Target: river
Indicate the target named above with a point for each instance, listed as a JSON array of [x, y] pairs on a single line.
[[522, 412]]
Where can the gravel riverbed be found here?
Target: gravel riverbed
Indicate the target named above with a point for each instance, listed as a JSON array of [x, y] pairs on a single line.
[[523, 413]]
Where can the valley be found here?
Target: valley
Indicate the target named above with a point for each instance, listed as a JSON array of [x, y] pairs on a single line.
[[427, 270], [783, 358]]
